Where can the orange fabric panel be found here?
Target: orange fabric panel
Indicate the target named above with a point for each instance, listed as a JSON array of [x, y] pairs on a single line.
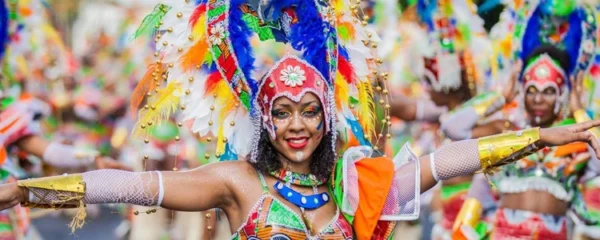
[[375, 176], [3, 155], [568, 149]]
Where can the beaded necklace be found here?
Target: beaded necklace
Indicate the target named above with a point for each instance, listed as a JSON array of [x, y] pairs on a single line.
[[305, 180], [304, 202]]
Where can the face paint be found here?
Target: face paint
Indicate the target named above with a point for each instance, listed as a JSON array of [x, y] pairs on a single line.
[[538, 119], [320, 126], [561, 8], [299, 156]]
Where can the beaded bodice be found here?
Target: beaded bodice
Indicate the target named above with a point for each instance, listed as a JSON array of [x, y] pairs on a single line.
[[554, 170], [272, 219]]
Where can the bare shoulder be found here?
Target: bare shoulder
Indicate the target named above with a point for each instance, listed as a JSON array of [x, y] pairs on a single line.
[[235, 172]]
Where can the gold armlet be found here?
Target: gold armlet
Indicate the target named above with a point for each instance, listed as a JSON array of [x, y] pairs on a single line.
[[57, 193], [582, 116], [483, 106], [502, 149], [470, 214]]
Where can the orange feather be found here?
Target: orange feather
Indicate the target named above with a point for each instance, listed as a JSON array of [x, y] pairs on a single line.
[[145, 85], [194, 56]]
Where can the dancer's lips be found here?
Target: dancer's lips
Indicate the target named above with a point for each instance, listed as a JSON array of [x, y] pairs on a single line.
[[538, 113], [297, 142]]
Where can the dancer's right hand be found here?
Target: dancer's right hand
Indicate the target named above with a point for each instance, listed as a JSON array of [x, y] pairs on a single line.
[[511, 90], [11, 195]]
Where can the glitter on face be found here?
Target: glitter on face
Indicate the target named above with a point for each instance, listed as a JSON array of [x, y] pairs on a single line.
[[299, 156]]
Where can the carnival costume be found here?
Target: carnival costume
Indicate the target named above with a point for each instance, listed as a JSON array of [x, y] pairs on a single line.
[[554, 170], [205, 55]]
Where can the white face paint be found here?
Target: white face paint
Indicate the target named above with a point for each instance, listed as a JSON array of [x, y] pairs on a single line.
[[538, 120], [299, 156]]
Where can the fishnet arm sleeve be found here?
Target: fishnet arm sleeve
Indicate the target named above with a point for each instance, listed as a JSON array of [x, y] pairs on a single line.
[[456, 159], [111, 186]]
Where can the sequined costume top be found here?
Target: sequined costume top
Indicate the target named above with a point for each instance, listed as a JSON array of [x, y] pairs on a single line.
[[272, 219]]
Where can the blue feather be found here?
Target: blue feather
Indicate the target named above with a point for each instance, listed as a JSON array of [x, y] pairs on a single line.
[[358, 132], [303, 37], [343, 52], [229, 155], [571, 42], [425, 10], [3, 28], [240, 34]]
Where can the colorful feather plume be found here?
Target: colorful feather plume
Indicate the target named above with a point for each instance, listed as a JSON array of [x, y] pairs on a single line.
[[152, 20], [161, 106]]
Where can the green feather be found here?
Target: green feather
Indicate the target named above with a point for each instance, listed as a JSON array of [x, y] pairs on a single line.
[[151, 22]]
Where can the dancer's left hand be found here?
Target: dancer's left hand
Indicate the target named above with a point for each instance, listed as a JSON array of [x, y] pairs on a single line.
[[558, 136], [109, 163]]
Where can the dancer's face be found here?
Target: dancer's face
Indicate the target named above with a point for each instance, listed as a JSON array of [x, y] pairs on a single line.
[[540, 104], [299, 127]]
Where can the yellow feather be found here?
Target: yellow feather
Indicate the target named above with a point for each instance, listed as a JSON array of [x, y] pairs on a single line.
[[200, 28], [161, 106], [54, 37], [366, 107], [228, 103], [339, 7], [341, 91]]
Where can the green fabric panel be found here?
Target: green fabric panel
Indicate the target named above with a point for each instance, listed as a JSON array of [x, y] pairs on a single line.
[[216, 11], [449, 191], [279, 215]]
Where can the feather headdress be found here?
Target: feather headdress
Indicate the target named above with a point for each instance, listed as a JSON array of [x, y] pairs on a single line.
[[459, 42], [577, 35], [207, 48]]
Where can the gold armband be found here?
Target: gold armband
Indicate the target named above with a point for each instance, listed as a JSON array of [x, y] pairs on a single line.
[[582, 116], [57, 193], [470, 214], [483, 105], [502, 149]]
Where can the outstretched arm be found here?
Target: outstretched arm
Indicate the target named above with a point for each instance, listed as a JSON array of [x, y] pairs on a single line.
[[469, 156], [61, 155], [195, 190], [409, 109]]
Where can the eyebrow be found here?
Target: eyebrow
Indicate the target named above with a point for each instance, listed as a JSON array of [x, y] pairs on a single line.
[[303, 105]]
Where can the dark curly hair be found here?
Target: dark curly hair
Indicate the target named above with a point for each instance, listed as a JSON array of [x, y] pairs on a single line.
[[323, 161]]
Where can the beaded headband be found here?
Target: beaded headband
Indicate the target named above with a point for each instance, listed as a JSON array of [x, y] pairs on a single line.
[[543, 72]]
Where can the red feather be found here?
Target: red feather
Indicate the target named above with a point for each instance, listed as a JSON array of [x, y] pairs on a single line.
[[212, 81], [199, 11], [346, 69]]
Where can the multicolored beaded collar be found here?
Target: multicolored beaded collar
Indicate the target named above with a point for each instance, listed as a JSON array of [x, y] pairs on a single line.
[[306, 180]]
